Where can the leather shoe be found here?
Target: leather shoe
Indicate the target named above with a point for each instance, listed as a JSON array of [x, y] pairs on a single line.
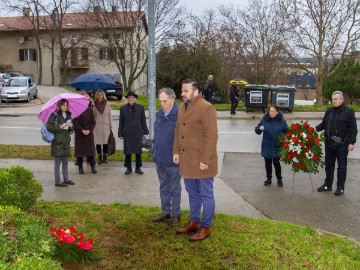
[[61, 185], [190, 227], [161, 217], [324, 188], [69, 182], [201, 234], [173, 220], [139, 171], [128, 171], [81, 170], [339, 192]]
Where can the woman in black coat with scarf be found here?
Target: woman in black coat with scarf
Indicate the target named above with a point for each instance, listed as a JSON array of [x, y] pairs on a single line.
[[272, 125], [84, 126]]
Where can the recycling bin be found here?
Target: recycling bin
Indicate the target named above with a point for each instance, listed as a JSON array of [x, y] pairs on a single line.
[[283, 96], [256, 96]]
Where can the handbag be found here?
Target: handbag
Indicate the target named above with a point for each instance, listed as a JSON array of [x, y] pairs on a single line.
[[111, 144], [146, 143], [335, 142]]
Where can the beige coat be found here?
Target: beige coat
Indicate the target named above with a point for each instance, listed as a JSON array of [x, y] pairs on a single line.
[[103, 125], [195, 139]]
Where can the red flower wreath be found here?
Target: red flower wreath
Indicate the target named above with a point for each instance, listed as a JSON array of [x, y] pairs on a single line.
[[301, 148]]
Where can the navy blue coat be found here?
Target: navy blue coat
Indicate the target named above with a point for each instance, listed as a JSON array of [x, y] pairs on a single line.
[[272, 128], [164, 129]]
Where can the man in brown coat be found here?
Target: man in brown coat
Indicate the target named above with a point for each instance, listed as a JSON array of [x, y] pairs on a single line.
[[195, 143]]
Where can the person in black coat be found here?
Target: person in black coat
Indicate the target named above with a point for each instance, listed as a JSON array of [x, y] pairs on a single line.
[[208, 93], [84, 126], [132, 127], [340, 132], [272, 125], [234, 97]]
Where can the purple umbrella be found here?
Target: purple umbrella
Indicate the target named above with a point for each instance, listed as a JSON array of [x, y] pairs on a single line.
[[77, 104]]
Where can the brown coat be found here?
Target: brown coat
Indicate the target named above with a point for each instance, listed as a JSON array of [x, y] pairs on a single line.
[[103, 125], [195, 139]]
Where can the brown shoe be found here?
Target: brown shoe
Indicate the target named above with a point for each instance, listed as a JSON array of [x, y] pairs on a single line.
[[190, 227], [201, 234], [161, 217], [173, 220]]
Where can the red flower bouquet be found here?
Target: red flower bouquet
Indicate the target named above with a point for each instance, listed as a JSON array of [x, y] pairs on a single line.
[[71, 245], [301, 148]]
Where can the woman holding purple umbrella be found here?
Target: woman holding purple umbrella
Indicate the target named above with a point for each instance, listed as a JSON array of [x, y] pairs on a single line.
[[60, 124]]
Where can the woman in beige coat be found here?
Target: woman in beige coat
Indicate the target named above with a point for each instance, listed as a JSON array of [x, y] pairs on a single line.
[[102, 112]]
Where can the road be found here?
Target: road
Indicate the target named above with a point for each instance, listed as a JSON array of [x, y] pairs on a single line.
[[236, 136]]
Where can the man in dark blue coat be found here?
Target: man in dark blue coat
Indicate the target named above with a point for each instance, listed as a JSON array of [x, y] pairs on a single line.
[[340, 132], [132, 127], [167, 170]]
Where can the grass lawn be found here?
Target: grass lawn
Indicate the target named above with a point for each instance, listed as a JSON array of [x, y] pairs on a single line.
[[126, 238]]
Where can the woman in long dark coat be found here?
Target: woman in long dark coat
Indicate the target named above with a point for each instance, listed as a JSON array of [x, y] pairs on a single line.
[[84, 126], [272, 125], [132, 127]]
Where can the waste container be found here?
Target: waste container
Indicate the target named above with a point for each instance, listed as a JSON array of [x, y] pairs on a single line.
[[283, 96], [256, 96]]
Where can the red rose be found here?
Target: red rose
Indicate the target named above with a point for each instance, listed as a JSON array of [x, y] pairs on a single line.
[[288, 156], [286, 144], [316, 140], [295, 139], [307, 148], [297, 165], [85, 245], [303, 154], [294, 126], [315, 157], [311, 129], [303, 166], [288, 135], [67, 238], [300, 132], [310, 136], [301, 143], [306, 125]]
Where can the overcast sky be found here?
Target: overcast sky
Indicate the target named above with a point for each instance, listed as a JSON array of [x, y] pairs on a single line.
[[198, 6]]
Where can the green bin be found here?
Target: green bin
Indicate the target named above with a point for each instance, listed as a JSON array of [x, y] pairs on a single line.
[[256, 96], [283, 96]]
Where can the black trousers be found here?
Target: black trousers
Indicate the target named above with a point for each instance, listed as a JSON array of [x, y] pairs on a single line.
[[234, 105], [80, 161], [331, 156], [104, 146], [138, 161], [268, 167]]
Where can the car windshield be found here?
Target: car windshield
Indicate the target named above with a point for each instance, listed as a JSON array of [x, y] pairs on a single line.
[[17, 82]]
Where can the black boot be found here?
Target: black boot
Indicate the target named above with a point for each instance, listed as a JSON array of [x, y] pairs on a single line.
[[81, 169], [93, 169], [280, 182], [267, 182], [105, 159], [100, 159]]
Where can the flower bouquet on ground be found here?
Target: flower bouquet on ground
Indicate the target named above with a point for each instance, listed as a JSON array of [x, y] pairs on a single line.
[[71, 245], [301, 148]]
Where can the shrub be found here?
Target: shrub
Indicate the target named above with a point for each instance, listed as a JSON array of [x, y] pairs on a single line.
[[18, 187], [24, 238]]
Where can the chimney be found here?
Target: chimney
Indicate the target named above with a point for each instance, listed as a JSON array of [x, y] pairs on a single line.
[[26, 11], [114, 9]]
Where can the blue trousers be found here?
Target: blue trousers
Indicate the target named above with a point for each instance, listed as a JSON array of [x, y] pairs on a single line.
[[201, 194], [170, 189]]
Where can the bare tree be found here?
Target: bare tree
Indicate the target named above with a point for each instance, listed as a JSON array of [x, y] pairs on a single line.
[[31, 10], [321, 31], [122, 26], [250, 40]]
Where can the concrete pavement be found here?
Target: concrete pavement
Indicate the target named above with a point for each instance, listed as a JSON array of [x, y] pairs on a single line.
[[239, 186]]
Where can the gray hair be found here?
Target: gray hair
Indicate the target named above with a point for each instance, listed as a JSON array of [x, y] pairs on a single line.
[[338, 93], [168, 91]]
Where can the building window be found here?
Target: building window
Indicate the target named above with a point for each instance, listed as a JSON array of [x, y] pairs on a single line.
[[111, 53], [79, 56], [27, 55]]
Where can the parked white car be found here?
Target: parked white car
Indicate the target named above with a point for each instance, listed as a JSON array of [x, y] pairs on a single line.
[[19, 89]]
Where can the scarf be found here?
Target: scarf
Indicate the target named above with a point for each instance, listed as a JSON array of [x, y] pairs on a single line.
[[100, 105]]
